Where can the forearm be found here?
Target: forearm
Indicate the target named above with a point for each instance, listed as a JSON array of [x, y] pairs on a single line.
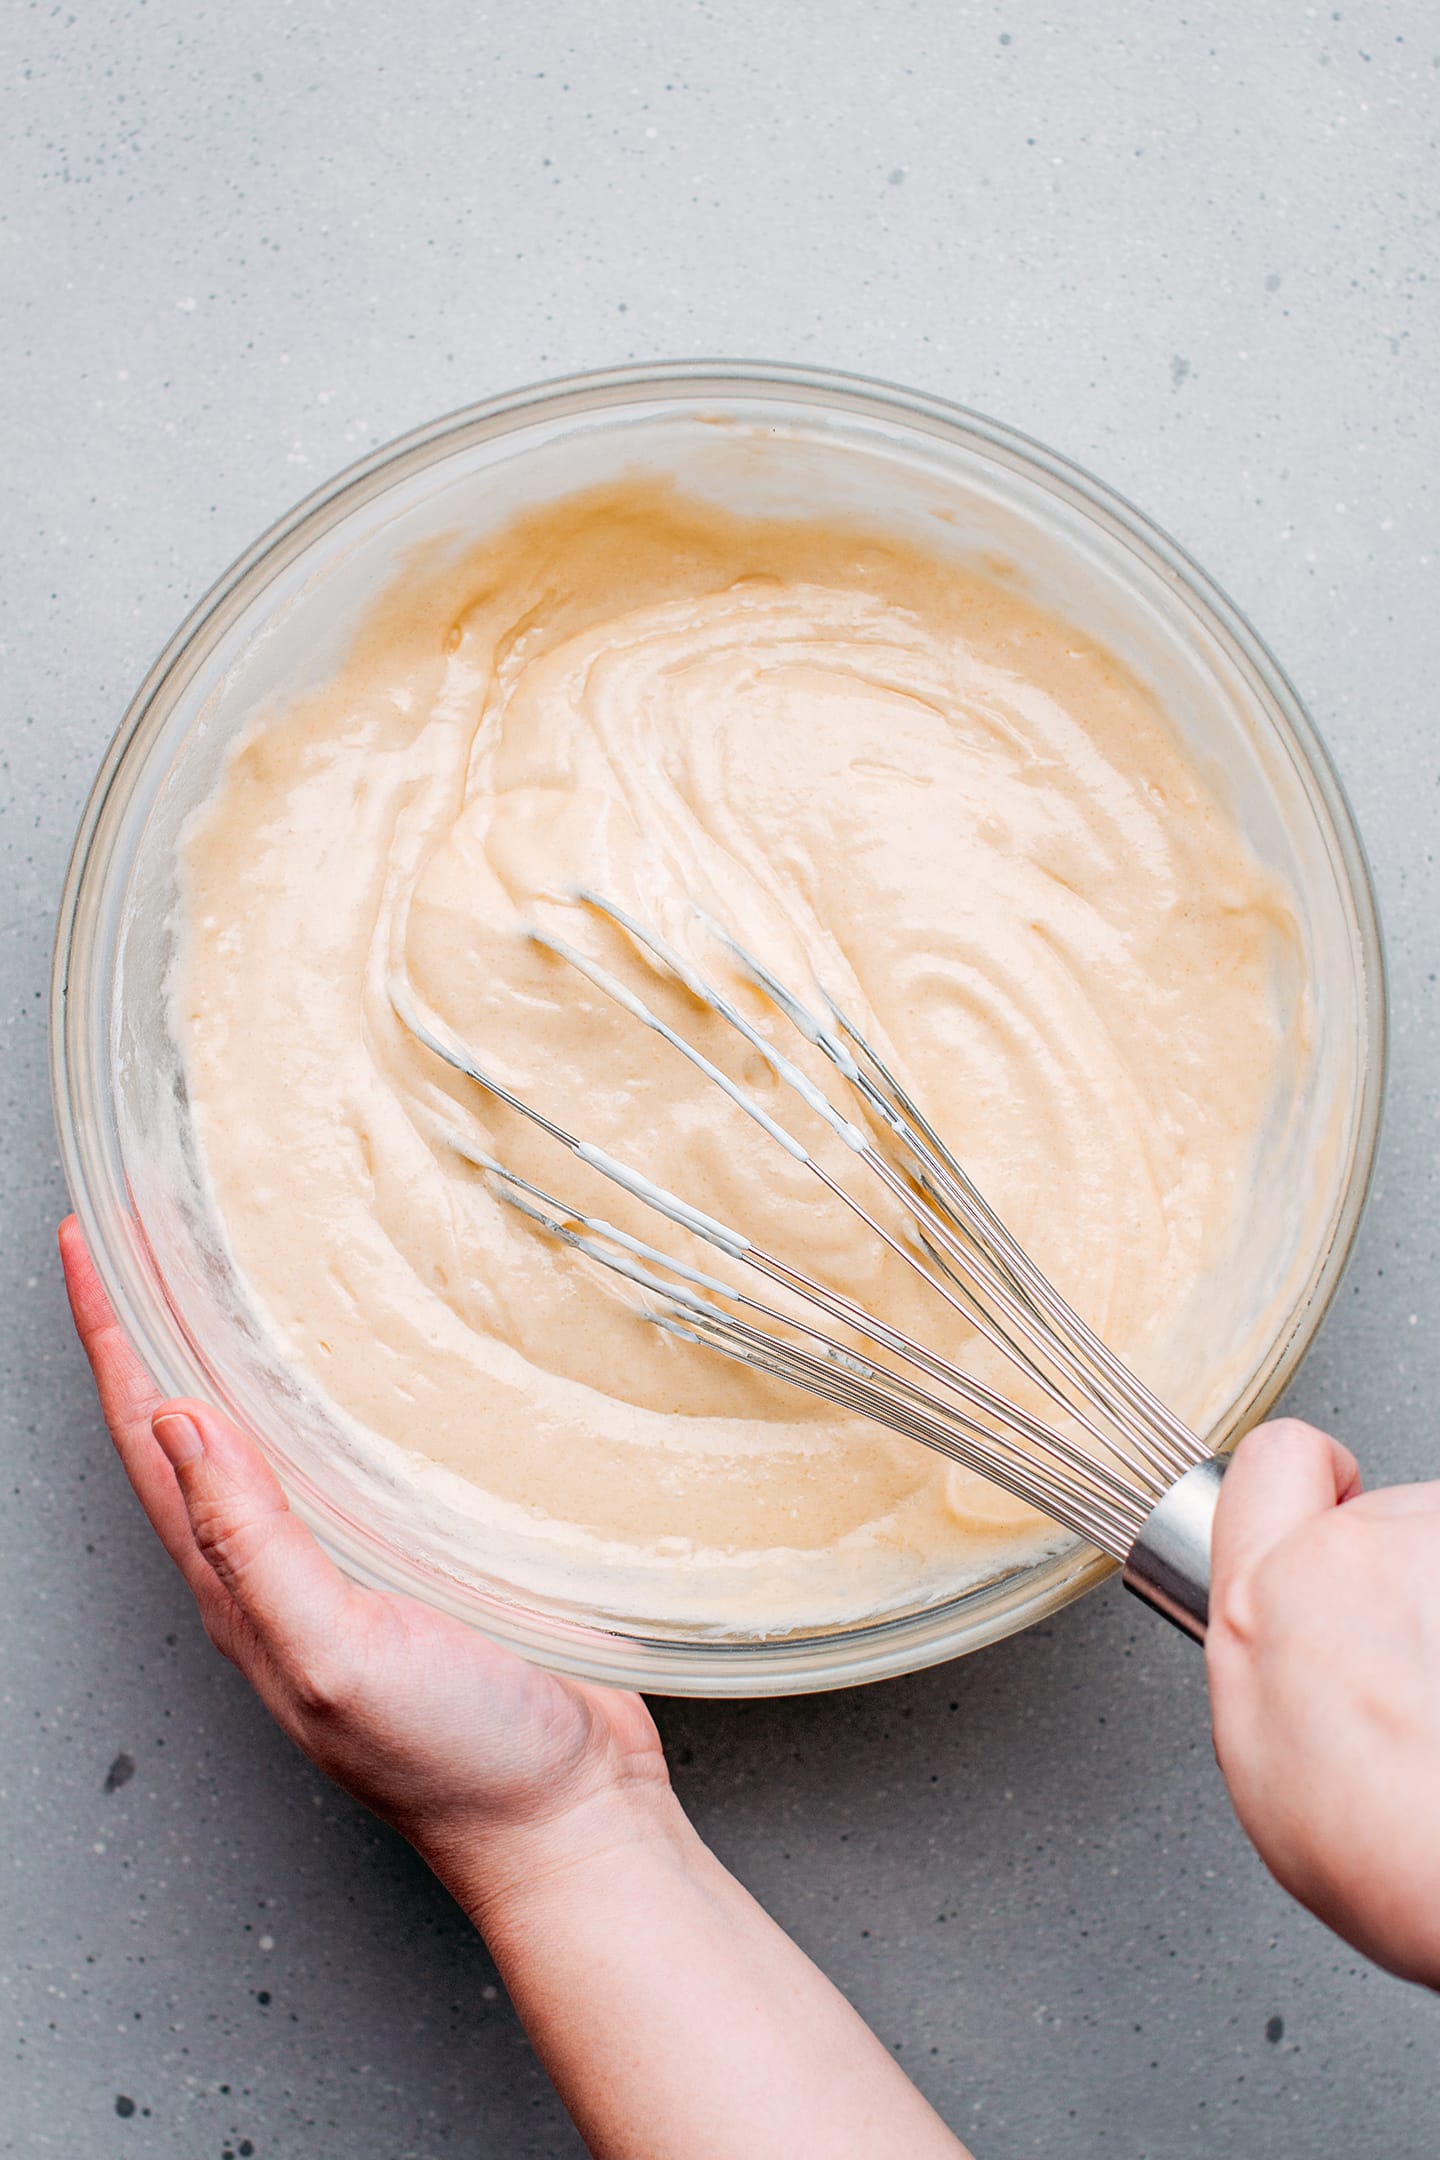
[[671, 2012]]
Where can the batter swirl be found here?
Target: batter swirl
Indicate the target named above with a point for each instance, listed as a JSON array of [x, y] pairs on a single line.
[[890, 776]]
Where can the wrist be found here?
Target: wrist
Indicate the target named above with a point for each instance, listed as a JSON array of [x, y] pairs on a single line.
[[503, 1873]]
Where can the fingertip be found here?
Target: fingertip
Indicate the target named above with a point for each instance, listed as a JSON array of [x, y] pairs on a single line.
[[200, 1432], [75, 1257], [88, 1301], [178, 1435]]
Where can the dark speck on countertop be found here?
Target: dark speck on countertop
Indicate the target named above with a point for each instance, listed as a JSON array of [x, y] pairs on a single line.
[[120, 1772]]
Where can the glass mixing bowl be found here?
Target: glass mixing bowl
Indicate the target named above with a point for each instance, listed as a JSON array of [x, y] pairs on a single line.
[[763, 440]]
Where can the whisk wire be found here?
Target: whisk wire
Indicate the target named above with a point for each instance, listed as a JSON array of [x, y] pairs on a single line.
[[833, 1303], [1029, 1284], [965, 1256], [1113, 1514]]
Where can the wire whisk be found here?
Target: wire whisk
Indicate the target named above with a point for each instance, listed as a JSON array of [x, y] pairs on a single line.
[[1106, 1458]]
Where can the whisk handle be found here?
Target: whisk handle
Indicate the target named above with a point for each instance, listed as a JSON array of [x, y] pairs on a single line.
[[1169, 1563]]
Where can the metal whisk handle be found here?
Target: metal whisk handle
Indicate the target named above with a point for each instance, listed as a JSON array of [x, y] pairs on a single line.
[[1169, 1563]]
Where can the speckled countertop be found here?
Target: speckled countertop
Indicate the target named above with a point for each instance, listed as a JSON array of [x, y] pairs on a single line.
[[240, 245]]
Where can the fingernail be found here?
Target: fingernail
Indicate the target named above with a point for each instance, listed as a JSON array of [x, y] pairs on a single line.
[[179, 1436]]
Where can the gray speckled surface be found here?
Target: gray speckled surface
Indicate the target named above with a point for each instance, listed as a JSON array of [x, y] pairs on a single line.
[[238, 246]]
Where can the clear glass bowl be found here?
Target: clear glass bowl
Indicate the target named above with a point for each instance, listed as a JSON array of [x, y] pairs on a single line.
[[766, 440]]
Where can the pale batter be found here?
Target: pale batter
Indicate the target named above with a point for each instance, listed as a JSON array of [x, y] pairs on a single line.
[[962, 817]]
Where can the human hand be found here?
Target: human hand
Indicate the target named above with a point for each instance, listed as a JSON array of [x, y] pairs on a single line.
[[673, 2015], [1324, 1664], [488, 1765]]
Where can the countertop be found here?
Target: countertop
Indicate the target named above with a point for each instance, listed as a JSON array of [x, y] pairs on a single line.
[[240, 246]]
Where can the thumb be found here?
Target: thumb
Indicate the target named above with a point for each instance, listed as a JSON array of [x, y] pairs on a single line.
[[1283, 1474], [298, 1606]]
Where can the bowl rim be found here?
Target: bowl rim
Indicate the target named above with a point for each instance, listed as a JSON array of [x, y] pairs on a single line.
[[698, 1666]]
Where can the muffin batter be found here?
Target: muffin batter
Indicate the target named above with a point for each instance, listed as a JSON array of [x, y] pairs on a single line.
[[890, 777]]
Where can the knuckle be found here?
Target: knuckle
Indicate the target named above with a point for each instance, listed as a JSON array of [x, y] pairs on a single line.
[[321, 1681], [1232, 1608], [225, 1544], [1290, 1432], [232, 1546]]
